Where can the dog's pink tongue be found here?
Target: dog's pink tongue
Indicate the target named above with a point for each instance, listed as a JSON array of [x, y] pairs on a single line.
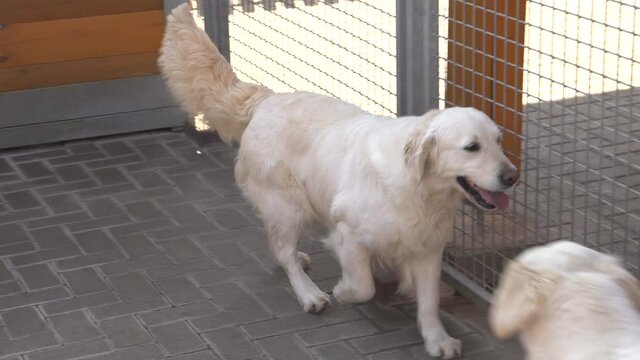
[[499, 199]]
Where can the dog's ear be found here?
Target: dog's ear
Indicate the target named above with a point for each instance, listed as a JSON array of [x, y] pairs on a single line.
[[517, 299], [418, 152]]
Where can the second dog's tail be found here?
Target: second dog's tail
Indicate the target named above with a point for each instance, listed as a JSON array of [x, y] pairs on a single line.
[[202, 80]]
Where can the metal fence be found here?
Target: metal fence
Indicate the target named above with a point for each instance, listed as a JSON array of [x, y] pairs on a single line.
[[560, 77], [578, 107]]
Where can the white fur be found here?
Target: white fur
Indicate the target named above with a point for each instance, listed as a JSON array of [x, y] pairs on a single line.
[[569, 302], [385, 188]]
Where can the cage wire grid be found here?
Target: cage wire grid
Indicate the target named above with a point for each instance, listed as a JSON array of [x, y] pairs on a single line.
[[344, 48], [580, 159], [580, 135]]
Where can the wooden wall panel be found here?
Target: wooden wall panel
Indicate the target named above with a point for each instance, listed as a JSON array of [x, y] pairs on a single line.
[[19, 11], [77, 71], [508, 74], [469, 68], [485, 62], [81, 38]]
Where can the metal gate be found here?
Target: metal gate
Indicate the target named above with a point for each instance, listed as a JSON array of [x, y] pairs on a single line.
[[577, 104], [559, 77]]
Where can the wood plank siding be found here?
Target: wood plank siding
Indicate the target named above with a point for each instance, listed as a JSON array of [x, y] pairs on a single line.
[[57, 42], [485, 62]]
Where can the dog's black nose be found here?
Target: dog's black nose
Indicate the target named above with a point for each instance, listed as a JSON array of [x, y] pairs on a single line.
[[509, 176]]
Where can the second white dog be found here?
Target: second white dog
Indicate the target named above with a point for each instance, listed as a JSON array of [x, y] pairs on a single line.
[[569, 302], [387, 189]]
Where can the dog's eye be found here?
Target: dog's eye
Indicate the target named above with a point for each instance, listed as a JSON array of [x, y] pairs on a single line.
[[473, 147]]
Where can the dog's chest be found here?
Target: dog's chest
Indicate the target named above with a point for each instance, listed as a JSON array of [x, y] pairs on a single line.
[[404, 238]]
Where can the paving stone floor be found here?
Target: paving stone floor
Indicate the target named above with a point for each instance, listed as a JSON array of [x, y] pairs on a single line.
[[140, 247]]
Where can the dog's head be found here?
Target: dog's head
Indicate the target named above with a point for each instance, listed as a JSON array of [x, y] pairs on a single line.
[[462, 146], [533, 275]]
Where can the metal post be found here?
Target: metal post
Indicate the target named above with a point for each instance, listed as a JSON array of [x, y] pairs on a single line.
[[417, 64], [216, 23]]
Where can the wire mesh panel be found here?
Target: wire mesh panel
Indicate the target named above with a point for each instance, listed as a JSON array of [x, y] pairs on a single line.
[[561, 78], [341, 48]]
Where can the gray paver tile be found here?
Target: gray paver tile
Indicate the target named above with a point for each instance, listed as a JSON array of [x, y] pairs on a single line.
[[397, 338], [284, 347], [32, 298], [185, 214], [94, 241], [103, 207], [21, 200], [231, 344], [74, 327], [72, 351], [283, 325], [337, 332], [133, 285], [28, 344], [23, 322], [51, 237], [182, 249], [124, 331], [240, 316], [84, 281], [138, 352], [73, 172], [337, 351], [89, 260], [230, 296], [38, 276], [181, 312], [8, 288], [138, 245], [144, 210], [62, 203], [141, 263], [128, 307], [80, 302], [200, 355], [177, 338], [180, 290]]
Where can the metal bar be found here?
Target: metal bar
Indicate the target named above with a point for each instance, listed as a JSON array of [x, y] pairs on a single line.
[[216, 24], [417, 51]]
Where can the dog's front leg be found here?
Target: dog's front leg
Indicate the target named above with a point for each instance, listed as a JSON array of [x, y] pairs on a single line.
[[356, 285], [426, 276]]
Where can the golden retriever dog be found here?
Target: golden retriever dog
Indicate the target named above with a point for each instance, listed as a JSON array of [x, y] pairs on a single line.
[[386, 189], [569, 302]]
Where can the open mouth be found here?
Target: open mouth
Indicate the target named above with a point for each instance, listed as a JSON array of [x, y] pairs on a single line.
[[484, 198]]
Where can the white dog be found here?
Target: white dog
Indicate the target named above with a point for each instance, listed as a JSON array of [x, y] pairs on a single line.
[[387, 189], [569, 302]]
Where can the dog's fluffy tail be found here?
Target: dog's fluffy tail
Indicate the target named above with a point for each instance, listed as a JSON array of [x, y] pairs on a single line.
[[202, 80]]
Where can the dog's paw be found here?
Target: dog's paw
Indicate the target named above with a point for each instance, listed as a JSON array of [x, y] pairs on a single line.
[[345, 293], [316, 302], [445, 347], [305, 260]]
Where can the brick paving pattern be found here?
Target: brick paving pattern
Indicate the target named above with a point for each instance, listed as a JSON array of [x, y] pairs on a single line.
[[141, 247]]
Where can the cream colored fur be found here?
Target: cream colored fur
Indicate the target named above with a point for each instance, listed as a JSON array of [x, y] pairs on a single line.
[[385, 188], [569, 302], [202, 80]]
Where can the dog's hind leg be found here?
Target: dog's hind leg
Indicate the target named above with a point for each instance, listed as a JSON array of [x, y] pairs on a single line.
[[284, 225], [356, 285]]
